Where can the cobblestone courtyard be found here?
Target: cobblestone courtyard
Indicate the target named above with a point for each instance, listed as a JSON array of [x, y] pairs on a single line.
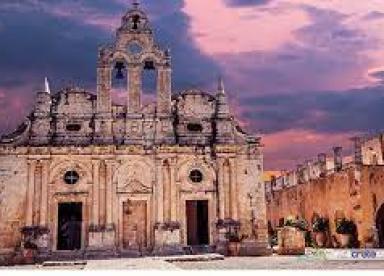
[[272, 262], [280, 262]]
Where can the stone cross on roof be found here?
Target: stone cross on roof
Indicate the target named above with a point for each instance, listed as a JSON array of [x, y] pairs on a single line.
[[220, 85], [46, 86]]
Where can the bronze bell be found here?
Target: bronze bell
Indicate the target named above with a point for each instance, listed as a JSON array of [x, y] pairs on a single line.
[[136, 22], [120, 67]]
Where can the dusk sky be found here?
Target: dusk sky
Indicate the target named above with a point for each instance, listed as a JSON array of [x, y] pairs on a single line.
[[307, 74]]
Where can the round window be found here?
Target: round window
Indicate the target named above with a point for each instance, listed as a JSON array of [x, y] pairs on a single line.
[[196, 176], [135, 48], [71, 177]]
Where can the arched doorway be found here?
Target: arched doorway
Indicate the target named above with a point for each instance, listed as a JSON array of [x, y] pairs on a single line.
[[380, 225]]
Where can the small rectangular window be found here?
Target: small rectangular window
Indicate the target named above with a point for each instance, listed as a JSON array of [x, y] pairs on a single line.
[[73, 127], [194, 127]]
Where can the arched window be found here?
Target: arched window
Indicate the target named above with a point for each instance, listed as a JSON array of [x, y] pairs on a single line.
[[136, 21]]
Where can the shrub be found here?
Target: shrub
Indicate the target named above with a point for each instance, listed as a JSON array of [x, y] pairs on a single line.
[[300, 224], [345, 226], [290, 222], [235, 236], [320, 224], [273, 239]]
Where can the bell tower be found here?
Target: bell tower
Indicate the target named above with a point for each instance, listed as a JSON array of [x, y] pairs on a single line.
[[132, 52]]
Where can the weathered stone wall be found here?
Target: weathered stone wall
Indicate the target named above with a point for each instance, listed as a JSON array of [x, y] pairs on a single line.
[[372, 151], [371, 195], [355, 193], [13, 194], [110, 176]]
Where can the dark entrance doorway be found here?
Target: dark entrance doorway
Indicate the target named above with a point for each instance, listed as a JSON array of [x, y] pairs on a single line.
[[69, 226], [197, 222], [380, 225]]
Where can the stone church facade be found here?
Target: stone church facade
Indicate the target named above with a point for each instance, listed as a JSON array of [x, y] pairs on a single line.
[[82, 173]]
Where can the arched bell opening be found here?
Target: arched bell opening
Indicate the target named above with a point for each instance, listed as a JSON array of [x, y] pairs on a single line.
[[119, 81], [149, 81], [380, 225]]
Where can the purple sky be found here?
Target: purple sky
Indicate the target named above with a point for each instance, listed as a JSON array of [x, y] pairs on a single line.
[[308, 74]]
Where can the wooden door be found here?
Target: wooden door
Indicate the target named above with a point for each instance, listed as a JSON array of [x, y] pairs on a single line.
[[135, 224], [70, 219], [191, 214], [197, 222]]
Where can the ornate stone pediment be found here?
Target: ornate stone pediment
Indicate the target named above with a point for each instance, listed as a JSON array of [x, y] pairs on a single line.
[[135, 186], [134, 177]]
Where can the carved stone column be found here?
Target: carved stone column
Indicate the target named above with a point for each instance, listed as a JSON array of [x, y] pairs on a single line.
[[95, 192], [44, 193], [220, 193], [167, 230], [159, 188], [173, 192], [233, 189], [30, 192], [104, 84], [37, 193], [134, 89], [226, 188], [103, 118], [166, 181], [102, 193], [109, 191], [164, 88], [101, 237], [34, 232]]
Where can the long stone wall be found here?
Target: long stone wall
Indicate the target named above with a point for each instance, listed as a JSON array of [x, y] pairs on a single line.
[[355, 193]]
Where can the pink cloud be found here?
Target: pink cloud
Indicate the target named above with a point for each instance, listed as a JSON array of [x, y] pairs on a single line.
[[218, 28], [84, 14], [15, 105], [75, 11], [231, 35]]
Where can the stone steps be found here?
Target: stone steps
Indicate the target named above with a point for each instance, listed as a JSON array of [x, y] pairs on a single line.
[[191, 258], [63, 263], [199, 249]]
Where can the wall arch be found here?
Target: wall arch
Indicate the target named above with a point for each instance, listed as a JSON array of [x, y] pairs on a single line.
[[120, 55], [380, 225], [157, 58], [184, 168], [57, 171]]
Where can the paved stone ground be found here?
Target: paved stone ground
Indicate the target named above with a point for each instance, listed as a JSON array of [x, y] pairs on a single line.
[[124, 263], [271, 262], [280, 262]]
